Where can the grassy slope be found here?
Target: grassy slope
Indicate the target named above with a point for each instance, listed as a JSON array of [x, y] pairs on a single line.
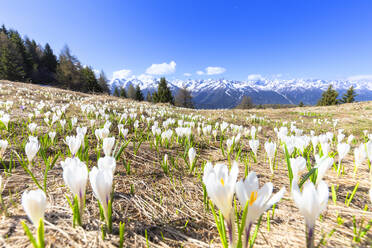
[[170, 208]]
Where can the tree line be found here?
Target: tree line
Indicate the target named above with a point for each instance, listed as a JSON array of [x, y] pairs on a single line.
[[329, 97], [163, 94], [25, 60]]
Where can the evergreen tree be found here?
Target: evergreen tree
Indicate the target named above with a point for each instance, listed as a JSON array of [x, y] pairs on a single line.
[[349, 96], [68, 70], [123, 93], [11, 61], [16, 38], [329, 97], [245, 103], [139, 95], [48, 65], [34, 54], [163, 94], [131, 93], [103, 82], [184, 98], [89, 83], [301, 104], [148, 97], [116, 92], [3, 30]]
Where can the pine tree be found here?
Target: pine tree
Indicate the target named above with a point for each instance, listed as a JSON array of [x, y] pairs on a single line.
[[184, 98], [103, 82], [34, 54], [123, 93], [116, 92], [3, 30], [301, 104], [131, 93], [163, 94], [16, 38], [89, 83], [68, 70], [329, 97], [349, 96], [11, 61], [139, 95]]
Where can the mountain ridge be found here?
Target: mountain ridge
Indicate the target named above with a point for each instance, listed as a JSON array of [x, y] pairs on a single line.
[[223, 93]]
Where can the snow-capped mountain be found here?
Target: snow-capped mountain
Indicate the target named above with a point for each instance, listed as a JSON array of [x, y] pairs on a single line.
[[222, 93]]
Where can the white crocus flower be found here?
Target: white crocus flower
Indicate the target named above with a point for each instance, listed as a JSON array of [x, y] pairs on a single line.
[[3, 146], [101, 182], [254, 144], [259, 199], [270, 148], [350, 139], [31, 148], [359, 156], [192, 155], [220, 185], [124, 132], [368, 147], [34, 203], [74, 143], [107, 163], [311, 202], [297, 164], [52, 135], [32, 127], [75, 175], [323, 164], [108, 144]]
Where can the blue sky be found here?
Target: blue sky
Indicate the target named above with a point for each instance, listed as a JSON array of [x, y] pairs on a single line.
[[218, 39]]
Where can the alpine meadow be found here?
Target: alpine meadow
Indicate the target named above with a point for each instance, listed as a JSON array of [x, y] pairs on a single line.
[[185, 123]]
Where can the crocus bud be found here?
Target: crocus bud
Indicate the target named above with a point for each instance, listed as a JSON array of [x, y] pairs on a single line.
[[34, 203], [75, 175], [31, 148], [3, 146], [107, 163], [254, 144], [74, 143], [270, 148], [32, 127], [192, 155], [108, 144], [297, 164], [52, 135], [101, 182]]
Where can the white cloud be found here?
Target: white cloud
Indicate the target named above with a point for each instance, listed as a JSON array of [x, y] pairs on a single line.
[[121, 74], [161, 69], [255, 77], [200, 72], [214, 70], [365, 77], [187, 74], [145, 78]]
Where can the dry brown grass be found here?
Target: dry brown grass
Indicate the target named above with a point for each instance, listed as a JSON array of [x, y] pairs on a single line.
[[171, 208]]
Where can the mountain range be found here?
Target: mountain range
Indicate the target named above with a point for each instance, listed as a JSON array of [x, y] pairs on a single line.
[[222, 93]]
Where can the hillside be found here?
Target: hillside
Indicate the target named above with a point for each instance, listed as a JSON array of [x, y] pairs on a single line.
[[164, 205]]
